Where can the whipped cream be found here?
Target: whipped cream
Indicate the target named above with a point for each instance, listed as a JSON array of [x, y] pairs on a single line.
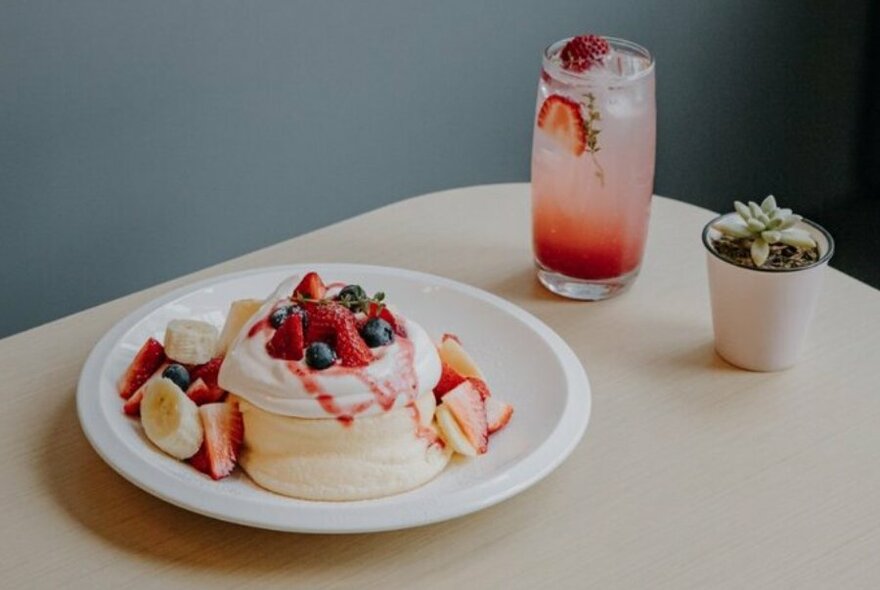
[[397, 375]]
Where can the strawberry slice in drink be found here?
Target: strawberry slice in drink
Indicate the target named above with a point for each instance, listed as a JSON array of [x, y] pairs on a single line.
[[224, 432], [561, 118]]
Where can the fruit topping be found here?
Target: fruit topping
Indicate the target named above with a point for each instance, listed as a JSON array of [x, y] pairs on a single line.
[[288, 341], [170, 419], [208, 371], [498, 414], [132, 406], [466, 405], [583, 52], [281, 313], [377, 332], [324, 318], [449, 380], [224, 432], [481, 386], [379, 310], [149, 358], [351, 294], [319, 355], [310, 287], [190, 342], [561, 118], [452, 433], [452, 353], [202, 393], [351, 348], [178, 374], [240, 312]]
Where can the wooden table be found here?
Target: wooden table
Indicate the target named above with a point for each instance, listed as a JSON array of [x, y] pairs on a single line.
[[692, 474]]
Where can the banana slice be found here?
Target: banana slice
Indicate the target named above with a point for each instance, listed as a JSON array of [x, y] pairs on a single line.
[[239, 313], [452, 353], [452, 433], [190, 342], [171, 420]]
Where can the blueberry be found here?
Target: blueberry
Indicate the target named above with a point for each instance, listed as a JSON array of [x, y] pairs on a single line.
[[319, 355], [352, 293], [178, 374], [277, 317], [377, 332]]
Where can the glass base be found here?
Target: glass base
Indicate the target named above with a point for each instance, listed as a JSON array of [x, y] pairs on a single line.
[[585, 289]]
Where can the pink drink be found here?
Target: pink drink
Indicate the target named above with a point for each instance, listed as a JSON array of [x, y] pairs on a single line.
[[593, 171]]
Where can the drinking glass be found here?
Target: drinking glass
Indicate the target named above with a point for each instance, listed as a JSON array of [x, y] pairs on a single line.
[[593, 171]]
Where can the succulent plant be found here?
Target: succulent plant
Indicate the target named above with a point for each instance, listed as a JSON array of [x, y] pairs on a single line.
[[764, 225]]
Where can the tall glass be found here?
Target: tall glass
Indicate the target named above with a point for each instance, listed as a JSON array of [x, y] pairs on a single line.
[[593, 171]]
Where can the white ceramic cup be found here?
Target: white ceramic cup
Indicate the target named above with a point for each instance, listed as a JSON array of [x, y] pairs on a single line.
[[761, 316]]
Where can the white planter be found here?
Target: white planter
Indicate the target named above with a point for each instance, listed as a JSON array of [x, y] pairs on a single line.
[[761, 316]]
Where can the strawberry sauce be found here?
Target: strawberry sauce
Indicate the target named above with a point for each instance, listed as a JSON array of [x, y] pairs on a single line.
[[385, 391]]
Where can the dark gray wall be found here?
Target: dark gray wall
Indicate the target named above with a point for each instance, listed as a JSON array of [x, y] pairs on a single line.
[[143, 140]]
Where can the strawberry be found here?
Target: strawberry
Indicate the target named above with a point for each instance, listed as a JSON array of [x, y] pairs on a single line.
[[208, 371], [561, 118], [132, 405], [202, 393], [449, 380], [224, 432], [311, 287], [498, 414], [351, 348], [583, 52], [323, 322], [469, 411], [481, 386], [149, 358], [288, 341], [334, 324], [381, 311]]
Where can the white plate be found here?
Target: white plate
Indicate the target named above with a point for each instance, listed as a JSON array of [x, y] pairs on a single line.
[[525, 363]]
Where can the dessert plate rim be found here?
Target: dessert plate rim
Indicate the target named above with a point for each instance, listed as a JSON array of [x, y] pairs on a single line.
[[390, 513]]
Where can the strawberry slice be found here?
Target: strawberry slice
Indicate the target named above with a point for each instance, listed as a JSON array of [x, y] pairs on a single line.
[[323, 321], [149, 358], [583, 52], [561, 118], [224, 431], [132, 406], [311, 287], [288, 341], [351, 348], [449, 380], [202, 393], [481, 386], [498, 414], [207, 372], [469, 411], [381, 311]]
